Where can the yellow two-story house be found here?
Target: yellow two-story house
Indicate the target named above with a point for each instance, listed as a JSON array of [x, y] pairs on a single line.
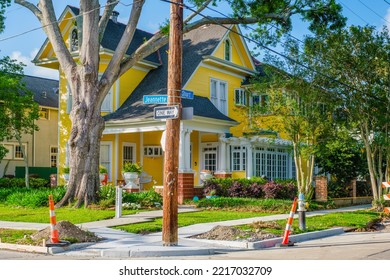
[[216, 66]]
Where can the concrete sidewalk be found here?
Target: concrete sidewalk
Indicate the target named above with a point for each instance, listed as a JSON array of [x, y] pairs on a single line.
[[120, 244]]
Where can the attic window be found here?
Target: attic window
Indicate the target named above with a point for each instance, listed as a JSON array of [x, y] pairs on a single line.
[[228, 50], [74, 40]]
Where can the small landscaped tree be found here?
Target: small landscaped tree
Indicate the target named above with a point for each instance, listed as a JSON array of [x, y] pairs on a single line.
[[296, 108]]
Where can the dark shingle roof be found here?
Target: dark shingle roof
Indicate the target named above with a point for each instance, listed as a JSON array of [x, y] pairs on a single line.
[[113, 34], [196, 44], [45, 90]]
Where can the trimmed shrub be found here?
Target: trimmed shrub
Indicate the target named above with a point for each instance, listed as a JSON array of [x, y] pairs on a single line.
[[20, 183], [145, 199], [34, 197], [251, 188]]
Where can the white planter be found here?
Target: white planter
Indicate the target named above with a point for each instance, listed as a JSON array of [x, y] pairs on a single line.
[[131, 179], [205, 176], [101, 177]]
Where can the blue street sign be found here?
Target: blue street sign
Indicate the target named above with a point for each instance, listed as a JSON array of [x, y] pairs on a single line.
[[155, 99], [187, 94]]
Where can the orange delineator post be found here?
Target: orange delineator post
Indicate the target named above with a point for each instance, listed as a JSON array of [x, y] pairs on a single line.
[[54, 232], [289, 222]]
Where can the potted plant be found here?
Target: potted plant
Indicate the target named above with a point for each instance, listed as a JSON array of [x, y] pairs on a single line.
[[131, 173], [66, 171], [102, 173], [211, 194]]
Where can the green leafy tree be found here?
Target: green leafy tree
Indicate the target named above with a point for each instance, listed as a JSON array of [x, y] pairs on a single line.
[[359, 58], [18, 111], [89, 89], [295, 107], [3, 5], [342, 156]]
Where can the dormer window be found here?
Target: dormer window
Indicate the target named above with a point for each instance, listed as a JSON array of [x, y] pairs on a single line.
[[228, 50], [74, 40]]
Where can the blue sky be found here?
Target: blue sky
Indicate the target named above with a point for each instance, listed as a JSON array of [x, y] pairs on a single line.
[[23, 47]]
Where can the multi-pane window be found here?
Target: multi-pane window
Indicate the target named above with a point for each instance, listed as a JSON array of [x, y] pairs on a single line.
[[107, 102], [53, 156], [228, 50], [240, 96], [218, 95], [128, 153], [210, 158], [271, 162], [18, 152], [238, 158], [105, 156], [44, 113]]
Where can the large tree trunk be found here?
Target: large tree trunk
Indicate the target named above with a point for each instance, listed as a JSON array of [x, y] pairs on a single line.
[[84, 148]]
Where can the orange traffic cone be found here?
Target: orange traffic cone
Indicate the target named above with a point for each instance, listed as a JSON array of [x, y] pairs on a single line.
[[287, 231], [54, 231]]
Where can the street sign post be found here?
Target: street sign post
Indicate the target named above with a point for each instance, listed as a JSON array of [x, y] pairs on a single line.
[[166, 112], [155, 99]]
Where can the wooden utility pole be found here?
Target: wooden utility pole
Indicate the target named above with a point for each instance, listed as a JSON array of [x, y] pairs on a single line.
[[171, 161]]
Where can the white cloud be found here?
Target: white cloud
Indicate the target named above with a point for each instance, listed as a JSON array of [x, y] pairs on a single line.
[[30, 68]]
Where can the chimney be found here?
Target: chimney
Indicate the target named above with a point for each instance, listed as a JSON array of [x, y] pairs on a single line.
[[114, 16], [44, 94]]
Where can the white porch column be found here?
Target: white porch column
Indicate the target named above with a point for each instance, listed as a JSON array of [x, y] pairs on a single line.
[[249, 164], [222, 154], [184, 150]]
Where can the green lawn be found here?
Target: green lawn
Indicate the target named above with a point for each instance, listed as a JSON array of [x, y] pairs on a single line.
[[357, 219], [41, 215]]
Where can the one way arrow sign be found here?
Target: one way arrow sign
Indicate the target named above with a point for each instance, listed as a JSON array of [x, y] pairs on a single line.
[[166, 112]]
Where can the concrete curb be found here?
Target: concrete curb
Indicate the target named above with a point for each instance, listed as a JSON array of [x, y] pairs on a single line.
[[44, 250], [273, 241], [296, 238], [153, 251]]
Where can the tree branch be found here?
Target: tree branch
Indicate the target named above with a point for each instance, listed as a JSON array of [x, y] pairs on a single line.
[[195, 13], [109, 8], [34, 9], [113, 68], [46, 15]]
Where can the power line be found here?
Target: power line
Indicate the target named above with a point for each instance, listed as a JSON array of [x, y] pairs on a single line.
[[354, 12], [271, 50], [374, 12]]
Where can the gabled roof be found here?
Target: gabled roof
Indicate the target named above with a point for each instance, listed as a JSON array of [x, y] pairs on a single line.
[[45, 90], [196, 44], [112, 36]]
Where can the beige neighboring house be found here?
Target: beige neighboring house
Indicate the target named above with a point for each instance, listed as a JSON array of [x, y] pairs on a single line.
[[42, 145]]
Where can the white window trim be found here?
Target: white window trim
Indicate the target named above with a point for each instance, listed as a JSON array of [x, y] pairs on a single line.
[[243, 157], [109, 171], [242, 97], [14, 151], [230, 50], [51, 154], [107, 104], [218, 95]]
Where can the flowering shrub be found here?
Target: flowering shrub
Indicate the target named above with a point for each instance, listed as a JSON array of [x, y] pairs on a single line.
[[277, 190], [250, 188]]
